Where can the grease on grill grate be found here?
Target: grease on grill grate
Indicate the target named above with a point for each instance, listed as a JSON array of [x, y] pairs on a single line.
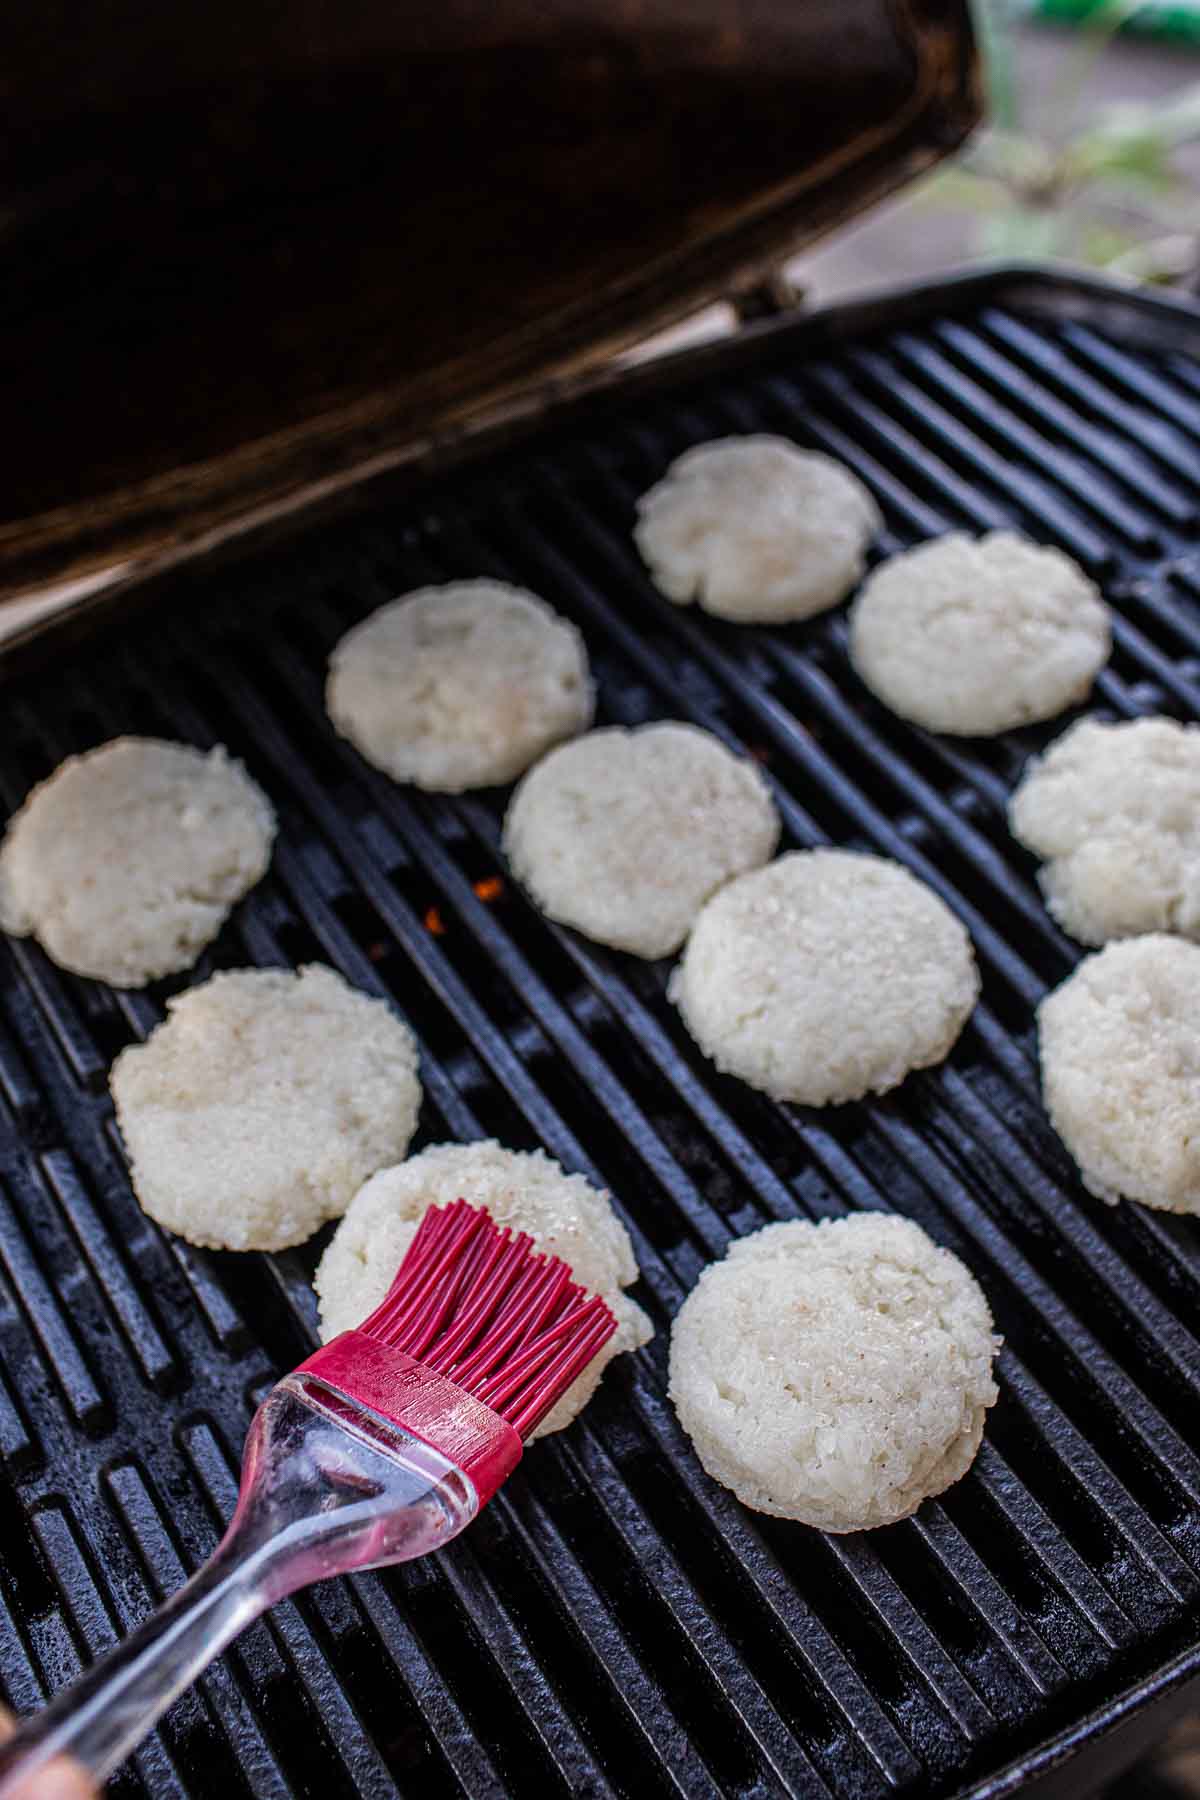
[[616, 1625]]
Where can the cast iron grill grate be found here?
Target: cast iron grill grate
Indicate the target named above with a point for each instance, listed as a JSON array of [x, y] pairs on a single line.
[[615, 1624]]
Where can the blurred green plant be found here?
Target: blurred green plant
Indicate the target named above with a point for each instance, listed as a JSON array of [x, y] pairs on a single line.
[[1106, 190]]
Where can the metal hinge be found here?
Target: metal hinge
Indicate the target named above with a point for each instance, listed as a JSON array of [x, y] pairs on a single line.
[[772, 294]]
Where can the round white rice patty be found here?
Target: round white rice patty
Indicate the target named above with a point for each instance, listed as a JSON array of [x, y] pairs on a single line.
[[625, 834], [262, 1103], [825, 976], [563, 1214], [461, 686], [753, 528], [1115, 812], [127, 860], [1120, 1053], [837, 1373], [975, 636]]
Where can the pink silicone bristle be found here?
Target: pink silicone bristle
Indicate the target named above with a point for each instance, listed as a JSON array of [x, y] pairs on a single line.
[[479, 1309], [411, 1311], [449, 1283], [546, 1299], [526, 1409], [529, 1275], [501, 1320], [454, 1254], [552, 1294], [537, 1352], [518, 1321]]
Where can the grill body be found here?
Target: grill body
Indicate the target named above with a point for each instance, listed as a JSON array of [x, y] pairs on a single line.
[[615, 1625]]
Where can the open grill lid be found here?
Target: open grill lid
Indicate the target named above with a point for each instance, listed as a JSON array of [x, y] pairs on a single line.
[[252, 254]]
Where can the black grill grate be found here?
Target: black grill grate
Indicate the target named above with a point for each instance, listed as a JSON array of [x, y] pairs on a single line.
[[616, 1625]]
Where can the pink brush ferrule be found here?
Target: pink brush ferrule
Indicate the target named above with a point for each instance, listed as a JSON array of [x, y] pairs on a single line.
[[427, 1405]]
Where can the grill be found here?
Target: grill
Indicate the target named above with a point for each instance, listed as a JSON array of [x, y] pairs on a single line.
[[616, 1625]]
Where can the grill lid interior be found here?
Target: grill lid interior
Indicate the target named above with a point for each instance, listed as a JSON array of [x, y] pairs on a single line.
[[339, 237], [615, 1623]]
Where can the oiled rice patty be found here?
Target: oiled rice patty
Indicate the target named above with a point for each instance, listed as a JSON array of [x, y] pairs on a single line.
[[825, 976], [837, 1373], [461, 686], [262, 1103], [625, 834], [1115, 811], [563, 1214], [972, 636], [1120, 1050], [753, 528], [127, 860]]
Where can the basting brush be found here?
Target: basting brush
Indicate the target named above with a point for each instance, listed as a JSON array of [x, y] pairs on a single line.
[[379, 1448]]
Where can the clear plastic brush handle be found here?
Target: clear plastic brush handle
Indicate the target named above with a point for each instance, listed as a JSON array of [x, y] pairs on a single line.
[[327, 1487]]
